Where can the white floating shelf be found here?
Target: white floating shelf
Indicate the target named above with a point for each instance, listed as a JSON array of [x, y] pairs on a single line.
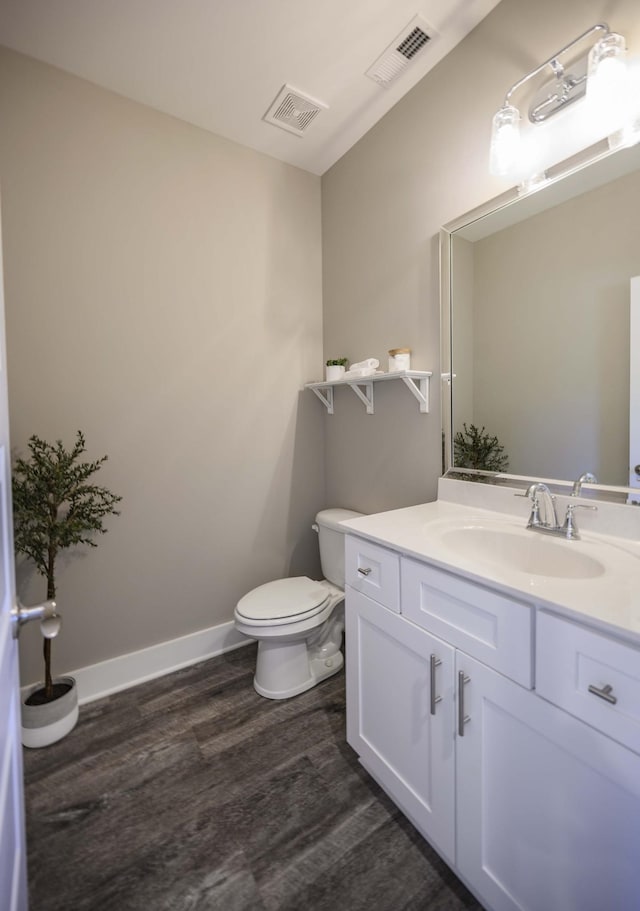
[[417, 381]]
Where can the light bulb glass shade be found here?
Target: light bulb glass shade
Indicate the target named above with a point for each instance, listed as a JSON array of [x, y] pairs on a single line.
[[607, 75], [505, 140], [629, 132]]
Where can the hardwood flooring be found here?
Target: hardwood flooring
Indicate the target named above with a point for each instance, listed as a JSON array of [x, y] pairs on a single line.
[[191, 792]]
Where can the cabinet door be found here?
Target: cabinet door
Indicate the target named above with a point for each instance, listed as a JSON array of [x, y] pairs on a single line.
[[548, 808], [390, 724]]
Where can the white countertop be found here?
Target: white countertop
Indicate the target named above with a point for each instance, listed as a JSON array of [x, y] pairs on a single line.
[[609, 600]]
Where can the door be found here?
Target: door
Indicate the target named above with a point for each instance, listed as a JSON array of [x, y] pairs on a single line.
[[548, 808], [634, 388], [13, 889], [400, 714]]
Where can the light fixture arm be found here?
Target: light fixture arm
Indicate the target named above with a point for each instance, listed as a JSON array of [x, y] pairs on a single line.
[[554, 61]]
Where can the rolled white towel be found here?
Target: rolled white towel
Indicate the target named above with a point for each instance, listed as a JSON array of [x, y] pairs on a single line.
[[360, 371], [371, 363]]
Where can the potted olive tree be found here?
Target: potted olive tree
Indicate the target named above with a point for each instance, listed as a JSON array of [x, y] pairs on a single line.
[[55, 506]]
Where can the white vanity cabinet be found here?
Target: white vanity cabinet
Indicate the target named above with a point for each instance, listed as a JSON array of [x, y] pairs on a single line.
[[529, 799], [547, 807], [399, 714]]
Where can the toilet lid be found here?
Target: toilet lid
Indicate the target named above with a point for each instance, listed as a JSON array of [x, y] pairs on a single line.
[[297, 597]]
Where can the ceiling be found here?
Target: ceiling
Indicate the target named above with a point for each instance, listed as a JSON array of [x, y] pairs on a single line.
[[219, 64]]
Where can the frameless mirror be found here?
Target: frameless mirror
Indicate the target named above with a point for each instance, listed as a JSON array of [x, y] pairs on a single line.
[[541, 349]]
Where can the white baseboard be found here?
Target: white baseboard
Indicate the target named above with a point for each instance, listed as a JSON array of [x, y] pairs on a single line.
[[115, 674]]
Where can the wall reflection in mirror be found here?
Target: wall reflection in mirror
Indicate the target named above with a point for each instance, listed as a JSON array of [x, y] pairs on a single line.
[[539, 299]]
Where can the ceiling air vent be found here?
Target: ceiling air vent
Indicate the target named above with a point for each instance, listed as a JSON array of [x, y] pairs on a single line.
[[293, 111], [410, 43]]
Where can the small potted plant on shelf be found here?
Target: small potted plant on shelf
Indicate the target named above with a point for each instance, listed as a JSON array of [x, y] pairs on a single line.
[[55, 506], [336, 368]]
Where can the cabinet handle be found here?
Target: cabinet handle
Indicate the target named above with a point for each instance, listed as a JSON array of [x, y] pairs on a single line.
[[462, 718], [364, 570], [435, 662], [604, 693]]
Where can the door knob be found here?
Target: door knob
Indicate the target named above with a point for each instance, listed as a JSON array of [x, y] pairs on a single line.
[[637, 470], [47, 614]]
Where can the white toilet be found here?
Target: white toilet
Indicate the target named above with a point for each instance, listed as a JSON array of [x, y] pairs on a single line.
[[298, 622]]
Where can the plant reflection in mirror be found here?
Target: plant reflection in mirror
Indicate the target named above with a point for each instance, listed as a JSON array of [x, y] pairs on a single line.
[[475, 448]]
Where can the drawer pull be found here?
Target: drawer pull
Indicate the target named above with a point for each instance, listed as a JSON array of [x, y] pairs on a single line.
[[462, 718], [364, 570], [604, 693], [435, 662]]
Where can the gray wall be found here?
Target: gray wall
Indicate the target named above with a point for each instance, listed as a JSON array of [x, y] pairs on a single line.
[[464, 326], [145, 258], [423, 165], [163, 294], [552, 315]]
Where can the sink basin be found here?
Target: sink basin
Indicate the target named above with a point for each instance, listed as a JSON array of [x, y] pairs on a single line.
[[525, 551]]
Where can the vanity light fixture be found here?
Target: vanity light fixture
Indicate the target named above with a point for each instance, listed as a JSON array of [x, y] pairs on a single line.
[[591, 68]]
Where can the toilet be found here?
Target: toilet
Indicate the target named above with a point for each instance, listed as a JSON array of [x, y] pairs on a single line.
[[299, 622]]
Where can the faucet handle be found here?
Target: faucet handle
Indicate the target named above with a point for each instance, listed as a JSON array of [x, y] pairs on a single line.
[[572, 506], [532, 494], [569, 528]]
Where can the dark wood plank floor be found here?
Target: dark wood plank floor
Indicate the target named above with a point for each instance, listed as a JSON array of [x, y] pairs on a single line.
[[191, 792]]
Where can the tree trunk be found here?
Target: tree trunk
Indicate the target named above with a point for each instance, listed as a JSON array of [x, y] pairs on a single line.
[[48, 680], [46, 647]]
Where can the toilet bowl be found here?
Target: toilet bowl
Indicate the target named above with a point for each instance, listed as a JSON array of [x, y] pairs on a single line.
[[299, 622]]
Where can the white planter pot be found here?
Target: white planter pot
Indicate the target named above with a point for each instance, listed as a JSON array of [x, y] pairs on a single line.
[[334, 372], [45, 724]]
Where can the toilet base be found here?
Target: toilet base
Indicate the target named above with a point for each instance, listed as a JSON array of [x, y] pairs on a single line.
[[285, 669]]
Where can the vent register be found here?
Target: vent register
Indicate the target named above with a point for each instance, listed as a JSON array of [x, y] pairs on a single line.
[[294, 111], [401, 52]]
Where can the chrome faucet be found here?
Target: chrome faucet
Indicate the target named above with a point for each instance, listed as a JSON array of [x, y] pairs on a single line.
[[548, 524], [549, 519], [586, 478]]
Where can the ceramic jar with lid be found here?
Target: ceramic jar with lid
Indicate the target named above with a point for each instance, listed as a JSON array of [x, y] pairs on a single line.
[[399, 359]]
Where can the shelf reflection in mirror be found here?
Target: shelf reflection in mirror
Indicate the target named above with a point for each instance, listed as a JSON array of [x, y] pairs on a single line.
[[536, 326]]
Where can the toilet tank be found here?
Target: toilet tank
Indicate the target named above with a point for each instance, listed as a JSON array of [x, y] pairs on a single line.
[[331, 537]]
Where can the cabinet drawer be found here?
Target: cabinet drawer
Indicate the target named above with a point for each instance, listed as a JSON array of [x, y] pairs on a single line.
[[491, 627], [374, 571], [571, 658]]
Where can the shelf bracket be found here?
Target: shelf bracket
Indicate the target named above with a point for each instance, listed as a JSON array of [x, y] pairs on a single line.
[[366, 396], [325, 394], [419, 386]]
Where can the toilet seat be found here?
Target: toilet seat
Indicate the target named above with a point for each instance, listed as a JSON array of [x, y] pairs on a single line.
[[283, 601]]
